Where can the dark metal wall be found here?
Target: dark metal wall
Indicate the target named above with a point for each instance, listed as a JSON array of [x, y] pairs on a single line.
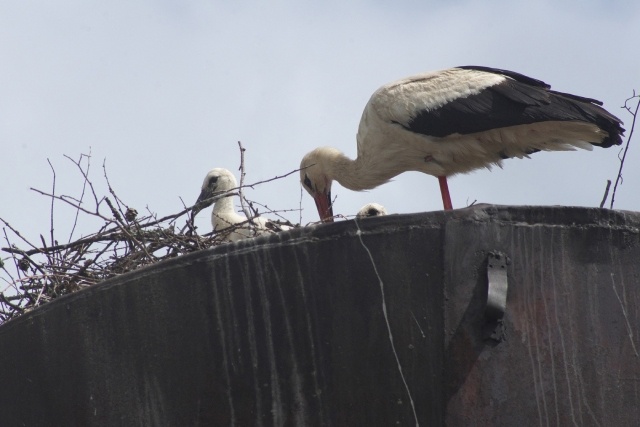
[[572, 324], [329, 326]]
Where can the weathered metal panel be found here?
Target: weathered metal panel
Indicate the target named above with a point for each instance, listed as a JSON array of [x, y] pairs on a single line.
[[289, 330], [572, 323], [333, 326]]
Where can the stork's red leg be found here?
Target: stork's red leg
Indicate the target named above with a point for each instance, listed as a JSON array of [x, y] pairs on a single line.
[[444, 190]]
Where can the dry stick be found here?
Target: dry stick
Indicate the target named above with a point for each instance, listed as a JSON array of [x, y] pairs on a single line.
[[123, 228], [242, 174], [31, 261], [113, 193], [250, 217], [51, 257], [300, 205], [73, 258], [81, 250], [271, 179], [53, 191], [606, 193], [626, 148], [116, 214], [190, 221], [18, 297], [85, 175], [51, 215], [276, 212], [89, 239], [94, 261], [15, 264], [17, 233], [5, 300], [84, 188], [42, 289], [65, 199], [105, 235], [190, 224]]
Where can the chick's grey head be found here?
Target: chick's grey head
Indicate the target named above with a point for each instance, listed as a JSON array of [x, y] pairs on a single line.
[[217, 182]]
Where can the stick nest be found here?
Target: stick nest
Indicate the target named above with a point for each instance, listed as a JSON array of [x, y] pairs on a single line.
[[35, 274]]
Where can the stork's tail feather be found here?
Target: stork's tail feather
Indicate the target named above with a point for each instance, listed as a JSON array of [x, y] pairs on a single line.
[[591, 112], [613, 127]]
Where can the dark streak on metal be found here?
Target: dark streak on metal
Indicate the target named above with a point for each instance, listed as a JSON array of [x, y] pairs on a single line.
[[289, 329]]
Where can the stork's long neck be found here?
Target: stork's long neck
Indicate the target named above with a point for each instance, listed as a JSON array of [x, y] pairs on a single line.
[[358, 174], [224, 204]]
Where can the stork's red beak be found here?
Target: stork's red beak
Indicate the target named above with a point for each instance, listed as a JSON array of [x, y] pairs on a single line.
[[323, 203]]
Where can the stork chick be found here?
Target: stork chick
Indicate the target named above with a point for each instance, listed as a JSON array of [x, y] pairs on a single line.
[[217, 190], [371, 209]]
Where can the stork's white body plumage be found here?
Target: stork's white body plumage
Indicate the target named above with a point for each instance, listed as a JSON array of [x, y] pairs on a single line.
[[217, 188], [455, 121]]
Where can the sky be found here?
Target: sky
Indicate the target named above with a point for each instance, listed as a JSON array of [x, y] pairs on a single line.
[[162, 91]]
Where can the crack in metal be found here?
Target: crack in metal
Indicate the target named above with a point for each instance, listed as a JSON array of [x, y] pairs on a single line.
[[386, 319]]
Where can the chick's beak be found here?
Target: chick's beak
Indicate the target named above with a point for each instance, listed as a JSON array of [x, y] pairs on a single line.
[[323, 204], [200, 204], [204, 195]]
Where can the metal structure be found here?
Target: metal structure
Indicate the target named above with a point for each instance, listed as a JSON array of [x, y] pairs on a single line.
[[394, 320]]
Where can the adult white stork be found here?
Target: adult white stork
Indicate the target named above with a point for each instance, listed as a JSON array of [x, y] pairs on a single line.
[[371, 209], [217, 188], [455, 121]]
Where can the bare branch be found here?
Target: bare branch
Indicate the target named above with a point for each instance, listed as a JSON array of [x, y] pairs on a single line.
[[634, 113], [85, 182], [271, 179], [606, 193], [17, 233], [242, 175], [53, 191]]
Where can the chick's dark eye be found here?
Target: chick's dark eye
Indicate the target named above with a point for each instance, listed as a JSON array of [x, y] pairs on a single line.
[[307, 182], [213, 180]]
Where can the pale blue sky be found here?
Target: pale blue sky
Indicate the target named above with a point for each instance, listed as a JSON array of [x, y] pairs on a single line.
[[163, 90]]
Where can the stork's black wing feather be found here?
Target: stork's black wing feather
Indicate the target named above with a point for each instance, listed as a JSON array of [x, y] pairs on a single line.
[[519, 100], [515, 76]]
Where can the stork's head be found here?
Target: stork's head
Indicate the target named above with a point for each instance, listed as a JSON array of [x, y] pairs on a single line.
[[217, 182], [316, 177]]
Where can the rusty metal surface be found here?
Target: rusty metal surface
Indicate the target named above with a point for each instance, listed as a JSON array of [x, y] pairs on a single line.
[[330, 326], [572, 324], [263, 333]]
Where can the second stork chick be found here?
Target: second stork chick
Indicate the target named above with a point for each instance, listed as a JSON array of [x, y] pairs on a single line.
[[217, 189]]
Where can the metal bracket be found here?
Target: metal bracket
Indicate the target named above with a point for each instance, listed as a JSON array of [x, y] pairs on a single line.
[[497, 290]]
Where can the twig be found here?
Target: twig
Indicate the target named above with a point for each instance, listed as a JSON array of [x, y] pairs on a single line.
[[264, 181], [606, 193], [277, 212], [633, 113], [53, 191], [242, 175], [6, 301], [119, 202], [65, 199], [17, 233], [84, 187], [85, 175], [300, 205]]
